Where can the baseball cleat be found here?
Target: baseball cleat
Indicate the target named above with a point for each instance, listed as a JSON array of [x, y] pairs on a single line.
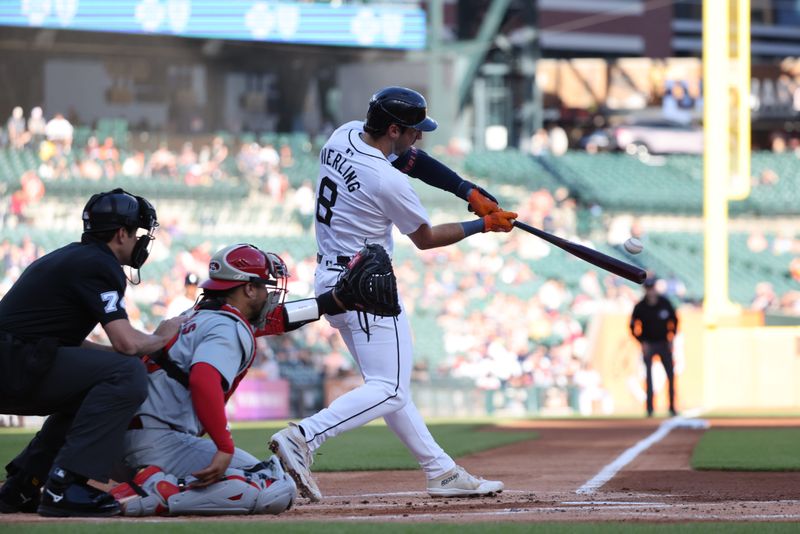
[[289, 445], [458, 483], [20, 494], [76, 500], [68, 495]]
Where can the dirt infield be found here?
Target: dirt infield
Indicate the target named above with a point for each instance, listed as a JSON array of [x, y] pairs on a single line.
[[543, 477]]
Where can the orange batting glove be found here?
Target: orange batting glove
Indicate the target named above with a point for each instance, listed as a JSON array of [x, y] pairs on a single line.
[[499, 221], [480, 203]]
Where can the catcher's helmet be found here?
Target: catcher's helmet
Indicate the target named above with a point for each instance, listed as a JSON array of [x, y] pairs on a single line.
[[398, 105], [240, 264], [117, 208]]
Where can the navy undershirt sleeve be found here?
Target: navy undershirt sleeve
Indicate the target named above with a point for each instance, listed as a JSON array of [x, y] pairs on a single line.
[[418, 164]]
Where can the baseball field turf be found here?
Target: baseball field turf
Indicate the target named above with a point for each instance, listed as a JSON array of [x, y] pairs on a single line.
[[629, 511], [768, 449], [378, 448]]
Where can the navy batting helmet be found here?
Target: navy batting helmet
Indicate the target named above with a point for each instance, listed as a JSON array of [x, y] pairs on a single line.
[[398, 105]]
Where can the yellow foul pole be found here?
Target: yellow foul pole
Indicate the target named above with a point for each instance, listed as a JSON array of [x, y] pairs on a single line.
[[726, 120]]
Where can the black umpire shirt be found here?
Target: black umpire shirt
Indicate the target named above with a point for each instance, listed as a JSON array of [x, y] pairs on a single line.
[[654, 323], [64, 294]]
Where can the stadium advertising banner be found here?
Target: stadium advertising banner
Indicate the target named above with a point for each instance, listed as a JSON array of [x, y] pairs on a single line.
[[329, 24]]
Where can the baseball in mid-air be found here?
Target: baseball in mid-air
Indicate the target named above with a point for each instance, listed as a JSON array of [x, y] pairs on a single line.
[[633, 245]]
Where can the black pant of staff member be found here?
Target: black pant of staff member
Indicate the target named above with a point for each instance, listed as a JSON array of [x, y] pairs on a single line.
[[89, 397], [662, 349], [48, 366], [654, 323]]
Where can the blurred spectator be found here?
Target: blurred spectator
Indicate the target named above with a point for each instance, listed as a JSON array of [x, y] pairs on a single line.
[[134, 165], [277, 185], [778, 142], [757, 242], [108, 155], [188, 156], [185, 300], [782, 244], [15, 128], [219, 152], [768, 177], [163, 162], [92, 149], [559, 142], [765, 299], [59, 132], [540, 143], [674, 288], [305, 203], [36, 126], [794, 269]]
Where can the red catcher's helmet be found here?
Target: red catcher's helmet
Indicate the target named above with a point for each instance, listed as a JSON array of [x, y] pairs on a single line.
[[240, 264]]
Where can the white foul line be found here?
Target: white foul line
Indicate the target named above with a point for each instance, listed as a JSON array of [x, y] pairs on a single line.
[[609, 471]]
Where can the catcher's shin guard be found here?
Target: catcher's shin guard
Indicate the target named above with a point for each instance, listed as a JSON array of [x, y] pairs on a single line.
[[262, 489], [147, 494]]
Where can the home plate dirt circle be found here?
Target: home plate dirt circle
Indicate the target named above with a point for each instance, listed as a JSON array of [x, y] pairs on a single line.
[[543, 476]]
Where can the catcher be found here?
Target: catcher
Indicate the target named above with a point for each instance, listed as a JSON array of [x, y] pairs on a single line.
[[192, 378]]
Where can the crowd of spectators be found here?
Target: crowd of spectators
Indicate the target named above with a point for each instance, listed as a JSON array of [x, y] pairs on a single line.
[[202, 161], [493, 335]]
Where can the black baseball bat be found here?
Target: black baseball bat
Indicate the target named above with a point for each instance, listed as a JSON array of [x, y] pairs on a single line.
[[604, 261]]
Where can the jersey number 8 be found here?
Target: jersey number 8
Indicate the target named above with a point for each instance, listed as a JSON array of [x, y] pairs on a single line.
[[326, 200]]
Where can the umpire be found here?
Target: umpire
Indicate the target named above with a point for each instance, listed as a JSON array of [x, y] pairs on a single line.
[[654, 324], [48, 367]]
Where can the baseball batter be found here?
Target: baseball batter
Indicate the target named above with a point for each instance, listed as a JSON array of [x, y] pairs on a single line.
[[189, 383], [362, 192]]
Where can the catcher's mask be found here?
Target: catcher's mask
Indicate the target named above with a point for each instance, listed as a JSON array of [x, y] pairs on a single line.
[[241, 264], [117, 209]]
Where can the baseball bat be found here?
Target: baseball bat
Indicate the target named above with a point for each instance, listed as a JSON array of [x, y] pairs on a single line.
[[604, 261]]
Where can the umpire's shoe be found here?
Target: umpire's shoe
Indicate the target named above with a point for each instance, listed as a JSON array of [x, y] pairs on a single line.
[[458, 483], [289, 445], [68, 495], [20, 494]]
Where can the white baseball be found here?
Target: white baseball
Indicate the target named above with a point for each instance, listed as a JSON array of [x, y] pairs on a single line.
[[633, 245]]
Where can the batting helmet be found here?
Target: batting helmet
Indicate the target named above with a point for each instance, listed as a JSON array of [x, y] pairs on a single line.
[[398, 105], [240, 264]]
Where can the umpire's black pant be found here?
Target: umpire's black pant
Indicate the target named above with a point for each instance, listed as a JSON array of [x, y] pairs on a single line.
[[664, 352], [90, 397]]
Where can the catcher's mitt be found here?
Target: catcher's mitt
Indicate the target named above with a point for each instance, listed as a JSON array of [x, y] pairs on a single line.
[[368, 283]]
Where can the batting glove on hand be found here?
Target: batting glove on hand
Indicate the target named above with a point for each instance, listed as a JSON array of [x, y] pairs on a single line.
[[481, 202], [499, 221]]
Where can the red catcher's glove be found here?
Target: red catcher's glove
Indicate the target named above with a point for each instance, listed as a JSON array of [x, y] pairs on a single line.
[[499, 221], [480, 203]]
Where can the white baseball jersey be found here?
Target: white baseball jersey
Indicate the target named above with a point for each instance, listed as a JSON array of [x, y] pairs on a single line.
[[219, 338], [360, 196]]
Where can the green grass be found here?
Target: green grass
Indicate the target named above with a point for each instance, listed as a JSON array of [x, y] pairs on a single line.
[[268, 524], [769, 449], [372, 447]]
